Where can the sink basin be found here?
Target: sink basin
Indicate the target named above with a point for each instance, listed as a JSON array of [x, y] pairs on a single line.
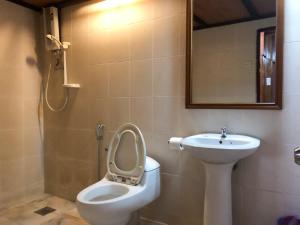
[[218, 155], [212, 149]]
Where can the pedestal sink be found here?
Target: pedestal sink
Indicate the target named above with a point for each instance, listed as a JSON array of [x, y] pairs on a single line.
[[218, 156]]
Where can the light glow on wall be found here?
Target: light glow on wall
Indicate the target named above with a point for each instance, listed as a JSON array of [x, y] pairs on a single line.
[[112, 14], [116, 13], [110, 4]]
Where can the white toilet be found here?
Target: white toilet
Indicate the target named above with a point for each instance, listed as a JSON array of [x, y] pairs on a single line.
[[114, 199]]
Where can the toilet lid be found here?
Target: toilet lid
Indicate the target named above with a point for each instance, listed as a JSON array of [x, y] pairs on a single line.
[[134, 175]]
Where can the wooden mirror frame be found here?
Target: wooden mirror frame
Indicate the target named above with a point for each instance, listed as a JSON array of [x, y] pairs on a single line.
[[277, 105]]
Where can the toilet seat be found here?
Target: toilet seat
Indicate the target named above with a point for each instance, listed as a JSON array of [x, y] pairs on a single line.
[[133, 176]]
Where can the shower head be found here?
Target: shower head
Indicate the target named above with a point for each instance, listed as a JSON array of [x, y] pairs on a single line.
[[49, 36], [60, 45], [55, 40]]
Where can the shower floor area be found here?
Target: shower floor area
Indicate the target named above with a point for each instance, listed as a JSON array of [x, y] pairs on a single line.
[[57, 211], [26, 213]]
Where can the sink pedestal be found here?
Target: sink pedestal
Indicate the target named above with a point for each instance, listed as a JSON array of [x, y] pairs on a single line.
[[217, 201], [218, 156]]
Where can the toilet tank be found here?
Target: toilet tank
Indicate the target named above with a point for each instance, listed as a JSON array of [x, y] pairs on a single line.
[[151, 164], [151, 178]]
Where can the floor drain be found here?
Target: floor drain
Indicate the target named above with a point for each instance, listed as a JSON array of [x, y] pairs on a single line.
[[44, 211]]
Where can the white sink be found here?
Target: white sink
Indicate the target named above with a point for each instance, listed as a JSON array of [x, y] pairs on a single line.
[[212, 149], [218, 155]]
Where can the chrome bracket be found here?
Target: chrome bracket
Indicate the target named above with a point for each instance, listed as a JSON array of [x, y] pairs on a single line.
[[297, 155]]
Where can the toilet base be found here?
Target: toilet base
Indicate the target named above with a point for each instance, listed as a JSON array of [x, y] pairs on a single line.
[[132, 219], [119, 222], [135, 219]]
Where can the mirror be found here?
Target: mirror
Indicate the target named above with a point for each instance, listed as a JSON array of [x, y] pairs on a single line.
[[234, 54]]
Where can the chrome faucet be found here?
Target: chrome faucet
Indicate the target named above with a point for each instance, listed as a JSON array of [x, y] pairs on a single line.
[[223, 132]]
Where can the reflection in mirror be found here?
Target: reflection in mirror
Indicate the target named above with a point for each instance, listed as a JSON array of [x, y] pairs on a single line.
[[266, 70], [233, 52]]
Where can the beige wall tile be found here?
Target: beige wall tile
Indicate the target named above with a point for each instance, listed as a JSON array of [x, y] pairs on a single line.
[[291, 68], [166, 34], [141, 38], [290, 204], [103, 151], [20, 82], [237, 204], [11, 142], [122, 15], [11, 111], [11, 81], [75, 116], [141, 78], [34, 170], [32, 115], [268, 207], [191, 168], [12, 176], [51, 174], [291, 11], [77, 145], [119, 44], [33, 142], [65, 173], [166, 76], [66, 23], [99, 81], [182, 35], [165, 115], [142, 113], [78, 71], [99, 113], [119, 112], [142, 11], [55, 89], [190, 120], [32, 81], [288, 121], [11, 36], [167, 8], [191, 208], [84, 175], [80, 21], [99, 47], [165, 207], [119, 79], [159, 150]]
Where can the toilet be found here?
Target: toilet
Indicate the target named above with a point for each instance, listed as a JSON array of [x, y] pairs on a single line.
[[116, 198]]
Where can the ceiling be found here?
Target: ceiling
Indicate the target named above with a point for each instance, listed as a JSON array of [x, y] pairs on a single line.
[[207, 13], [42, 3], [38, 4], [212, 13]]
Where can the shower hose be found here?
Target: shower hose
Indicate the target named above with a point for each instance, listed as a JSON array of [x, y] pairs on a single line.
[[67, 96]]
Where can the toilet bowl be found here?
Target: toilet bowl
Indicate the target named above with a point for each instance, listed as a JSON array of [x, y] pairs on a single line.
[[114, 199]]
